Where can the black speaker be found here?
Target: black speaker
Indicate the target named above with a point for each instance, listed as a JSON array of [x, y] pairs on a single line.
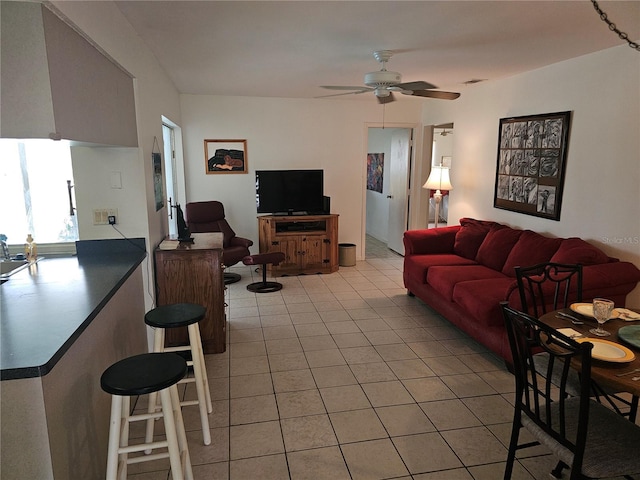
[[326, 204]]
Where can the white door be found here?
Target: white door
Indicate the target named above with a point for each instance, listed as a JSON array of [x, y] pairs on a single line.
[[398, 188], [171, 187]]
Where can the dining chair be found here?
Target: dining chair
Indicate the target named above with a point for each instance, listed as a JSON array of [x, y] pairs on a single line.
[[587, 437], [549, 286], [546, 287]]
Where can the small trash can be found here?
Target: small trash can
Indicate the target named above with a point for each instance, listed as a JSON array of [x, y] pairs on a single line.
[[346, 254]]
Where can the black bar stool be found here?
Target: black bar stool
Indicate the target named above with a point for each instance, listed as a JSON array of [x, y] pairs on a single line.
[[183, 315], [141, 375], [264, 259]]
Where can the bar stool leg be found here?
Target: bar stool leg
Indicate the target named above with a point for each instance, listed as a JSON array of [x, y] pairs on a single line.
[[182, 436], [203, 368], [198, 359], [172, 438], [158, 346], [115, 427]]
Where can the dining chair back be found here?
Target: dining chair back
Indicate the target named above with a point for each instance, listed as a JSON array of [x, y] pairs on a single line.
[[548, 286], [589, 438]]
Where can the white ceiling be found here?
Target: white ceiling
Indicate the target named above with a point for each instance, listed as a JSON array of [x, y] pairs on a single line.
[[290, 48]]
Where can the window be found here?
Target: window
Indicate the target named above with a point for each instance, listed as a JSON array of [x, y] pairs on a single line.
[[36, 196]]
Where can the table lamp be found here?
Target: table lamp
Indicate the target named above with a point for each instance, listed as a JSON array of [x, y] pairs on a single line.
[[438, 180]]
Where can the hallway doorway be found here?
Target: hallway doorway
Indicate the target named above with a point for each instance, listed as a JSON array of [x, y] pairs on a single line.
[[388, 180]]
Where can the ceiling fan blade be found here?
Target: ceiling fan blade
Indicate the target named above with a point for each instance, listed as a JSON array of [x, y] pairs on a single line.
[[388, 99], [415, 86], [433, 94], [340, 87], [341, 94]]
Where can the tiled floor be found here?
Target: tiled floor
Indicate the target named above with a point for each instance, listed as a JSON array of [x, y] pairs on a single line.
[[344, 376]]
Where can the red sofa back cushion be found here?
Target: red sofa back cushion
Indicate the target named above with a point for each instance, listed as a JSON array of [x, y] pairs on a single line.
[[470, 236], [496, 246], [530, 249], [576, 250]]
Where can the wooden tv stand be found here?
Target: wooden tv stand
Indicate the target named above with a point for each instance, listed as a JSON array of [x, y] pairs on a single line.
[[309, 242]]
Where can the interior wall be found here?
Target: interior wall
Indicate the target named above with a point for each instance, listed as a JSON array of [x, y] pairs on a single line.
[[92, 170], [602, 181], [286, 133], [377, 204], [155, 96]]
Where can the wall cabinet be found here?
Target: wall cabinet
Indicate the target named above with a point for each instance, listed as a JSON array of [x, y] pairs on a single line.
[[309, 242], [56, 84], [193, 273]]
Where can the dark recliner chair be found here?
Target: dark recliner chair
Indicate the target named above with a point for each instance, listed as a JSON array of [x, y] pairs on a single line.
[[209, 217]]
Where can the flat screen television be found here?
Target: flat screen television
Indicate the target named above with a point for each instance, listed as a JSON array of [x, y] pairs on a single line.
[[290, 192]]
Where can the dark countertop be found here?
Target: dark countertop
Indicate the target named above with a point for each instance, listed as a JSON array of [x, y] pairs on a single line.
[[46, 307]]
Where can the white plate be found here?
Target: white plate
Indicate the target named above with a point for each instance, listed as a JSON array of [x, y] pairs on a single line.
[[587, 310], [608, 351]]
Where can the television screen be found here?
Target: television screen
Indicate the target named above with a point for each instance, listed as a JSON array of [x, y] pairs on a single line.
[[290, 191]]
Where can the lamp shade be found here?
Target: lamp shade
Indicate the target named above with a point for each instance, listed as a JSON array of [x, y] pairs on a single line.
[[438, 179]]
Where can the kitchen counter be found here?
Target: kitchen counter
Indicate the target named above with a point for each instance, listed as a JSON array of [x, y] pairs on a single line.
[[46, 307], [64, 321]]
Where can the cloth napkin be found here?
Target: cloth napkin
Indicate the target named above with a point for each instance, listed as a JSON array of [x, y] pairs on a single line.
[[628, 315], [570, 332]]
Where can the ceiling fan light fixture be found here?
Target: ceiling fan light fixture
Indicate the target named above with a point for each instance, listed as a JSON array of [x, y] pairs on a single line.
[[382, 78], [382, 92]]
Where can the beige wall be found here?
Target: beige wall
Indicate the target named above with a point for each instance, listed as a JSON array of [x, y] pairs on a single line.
[[602, 188], [286, 133]]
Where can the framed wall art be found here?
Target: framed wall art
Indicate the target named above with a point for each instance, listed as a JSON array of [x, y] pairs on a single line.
[[532, 153], [156, 158], [375, 171], [225, 156]]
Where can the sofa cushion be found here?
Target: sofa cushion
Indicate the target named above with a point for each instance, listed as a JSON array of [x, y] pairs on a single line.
[[443, 279], [416, 266], [481, 298], [497, 245], [530, 249], [576, 250], [470, 236]]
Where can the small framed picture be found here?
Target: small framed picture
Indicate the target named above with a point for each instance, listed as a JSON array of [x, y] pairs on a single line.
[[446, 161], [225, 156]]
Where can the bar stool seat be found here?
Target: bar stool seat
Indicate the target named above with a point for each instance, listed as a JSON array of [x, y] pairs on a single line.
[[148, 373], [264, 259], [174, 316]]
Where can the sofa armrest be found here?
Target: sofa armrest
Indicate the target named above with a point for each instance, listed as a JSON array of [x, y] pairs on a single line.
[[240, 242], [432, 240], [610, 274]]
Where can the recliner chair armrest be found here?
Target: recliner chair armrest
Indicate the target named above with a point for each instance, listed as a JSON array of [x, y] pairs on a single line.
[[240, 242]]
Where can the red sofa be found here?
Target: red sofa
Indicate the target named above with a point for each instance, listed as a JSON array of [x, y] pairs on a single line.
[[465, 271]]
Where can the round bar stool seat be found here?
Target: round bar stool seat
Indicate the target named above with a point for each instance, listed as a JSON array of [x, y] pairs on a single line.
[[143, 374], [175, 316], [264, 259], [148, 373]]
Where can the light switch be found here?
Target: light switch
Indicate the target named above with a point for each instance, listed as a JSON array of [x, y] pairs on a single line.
[[116, 180]]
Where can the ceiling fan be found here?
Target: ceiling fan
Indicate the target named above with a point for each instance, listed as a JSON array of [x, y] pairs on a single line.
[[384, 83]]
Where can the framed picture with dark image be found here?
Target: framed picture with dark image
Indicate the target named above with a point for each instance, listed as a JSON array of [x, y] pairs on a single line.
[[225, 156], [531, 161]]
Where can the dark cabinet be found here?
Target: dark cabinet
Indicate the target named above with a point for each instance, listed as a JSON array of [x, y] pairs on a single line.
[[193, 273]]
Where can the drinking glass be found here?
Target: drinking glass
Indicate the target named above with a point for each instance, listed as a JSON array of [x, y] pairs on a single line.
[[602, 309]]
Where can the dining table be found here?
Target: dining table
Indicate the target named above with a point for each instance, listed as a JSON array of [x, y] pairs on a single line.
[[618, 374]]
